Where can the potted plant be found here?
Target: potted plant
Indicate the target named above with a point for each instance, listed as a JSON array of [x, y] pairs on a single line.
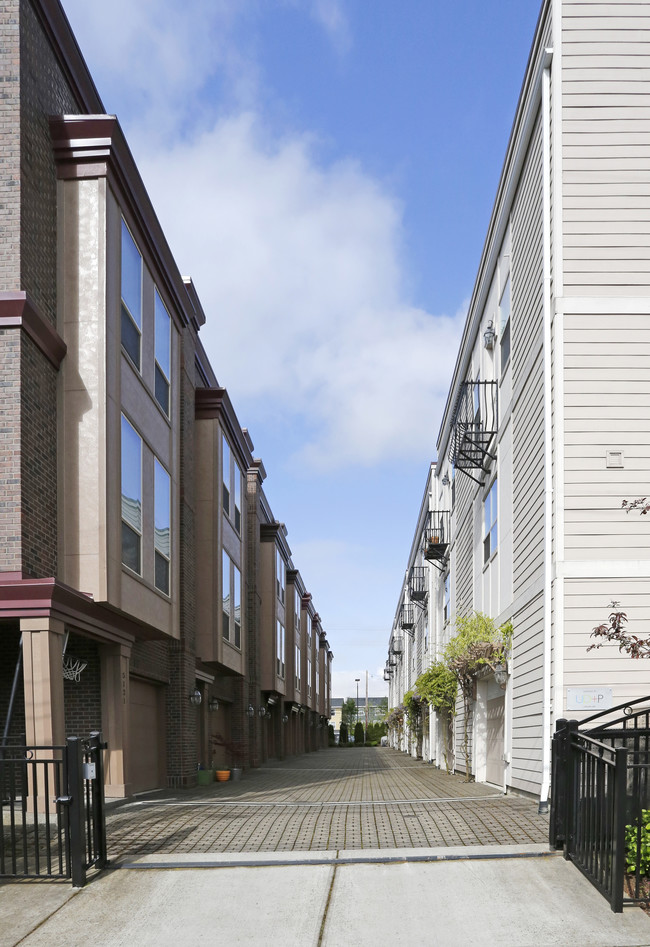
[[236, 754]]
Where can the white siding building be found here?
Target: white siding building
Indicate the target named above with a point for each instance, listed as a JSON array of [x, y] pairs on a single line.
[[547, 423]]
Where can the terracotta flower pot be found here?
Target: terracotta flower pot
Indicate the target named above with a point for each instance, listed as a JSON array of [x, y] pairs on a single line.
[[222, 775]]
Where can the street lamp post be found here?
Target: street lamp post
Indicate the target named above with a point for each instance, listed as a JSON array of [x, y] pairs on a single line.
[[357, 679]]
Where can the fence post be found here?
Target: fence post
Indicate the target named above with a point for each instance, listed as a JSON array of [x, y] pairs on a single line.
[[76, 826], [571, 789], [620, 817], [557, 821], [97, 745]]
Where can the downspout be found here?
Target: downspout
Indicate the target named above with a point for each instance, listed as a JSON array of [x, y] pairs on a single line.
[[548, 432]]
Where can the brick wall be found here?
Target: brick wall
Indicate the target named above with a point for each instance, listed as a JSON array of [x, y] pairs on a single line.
[[10, 547], [10, 152], [83, 698], [151, 659]]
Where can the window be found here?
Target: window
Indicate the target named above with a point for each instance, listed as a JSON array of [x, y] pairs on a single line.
[[236, 579], [231, 477], [225, 595], [231, 585], [162, 515], [504, 320], [308, 634], [296, 616], [131, 289], [280, 649], [162, 330], [131, 443], [308, 675], [317, 681], [225, 476], [490, 508], [297, 680], [279, 576], [447, 600]]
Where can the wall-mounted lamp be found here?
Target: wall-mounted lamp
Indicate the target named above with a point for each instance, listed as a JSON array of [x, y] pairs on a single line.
[[250, 710], [268, 714], [445, 481], [213, 704], [501, 675], [285, 718], [489, 336], [262, 711], [195, 697]]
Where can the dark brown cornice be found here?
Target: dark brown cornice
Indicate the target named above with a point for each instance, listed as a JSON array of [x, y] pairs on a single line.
[[94, 146], [277, 533], [293, 576], [215, 403], [17, 311], [49, 598], [66, 49]]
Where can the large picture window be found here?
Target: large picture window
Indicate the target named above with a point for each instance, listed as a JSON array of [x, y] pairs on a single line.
[[231, 479], [162, 331], [162, 532], [225, 595], [490, 519], [504, 320], [131, 445], [131, 289], [279, 576]]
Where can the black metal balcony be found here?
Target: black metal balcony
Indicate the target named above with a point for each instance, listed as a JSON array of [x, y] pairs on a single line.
[[437, 536], [386, 674], [406, 617], [474, 426], [418, 583]]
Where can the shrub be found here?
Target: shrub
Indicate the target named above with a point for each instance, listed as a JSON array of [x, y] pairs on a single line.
[[359, 736], [331, 739], [343, 734]]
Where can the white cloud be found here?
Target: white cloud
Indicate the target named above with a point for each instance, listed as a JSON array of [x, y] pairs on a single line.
[[299, 269]]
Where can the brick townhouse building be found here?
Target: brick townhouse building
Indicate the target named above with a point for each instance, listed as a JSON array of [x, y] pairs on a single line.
[[545, 428], [137, 547]]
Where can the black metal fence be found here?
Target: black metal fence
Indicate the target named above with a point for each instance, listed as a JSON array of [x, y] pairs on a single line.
[[52, 817], [600, 802]]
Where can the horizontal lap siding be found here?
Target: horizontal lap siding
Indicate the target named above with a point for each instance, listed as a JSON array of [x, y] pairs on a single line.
[[528, 470], [606, 147], [527, 658], [528, 379], [465, 489], [587, 603], [606, 408]]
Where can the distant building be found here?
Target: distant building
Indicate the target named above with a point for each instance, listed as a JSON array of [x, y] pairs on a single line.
[[376, 710]]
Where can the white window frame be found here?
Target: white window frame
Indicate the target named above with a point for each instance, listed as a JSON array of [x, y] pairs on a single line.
[[490, 522]]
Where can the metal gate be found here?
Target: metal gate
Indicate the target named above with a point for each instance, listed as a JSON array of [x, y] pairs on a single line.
[[600, 798], [52, 816]]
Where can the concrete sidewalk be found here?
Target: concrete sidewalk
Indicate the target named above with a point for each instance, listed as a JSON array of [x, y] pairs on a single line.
[[486, 895]]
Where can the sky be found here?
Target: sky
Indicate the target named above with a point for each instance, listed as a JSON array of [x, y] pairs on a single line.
[[325, 171]]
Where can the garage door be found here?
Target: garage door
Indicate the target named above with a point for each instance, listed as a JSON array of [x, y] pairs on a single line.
[[495, 730], [146, 762]]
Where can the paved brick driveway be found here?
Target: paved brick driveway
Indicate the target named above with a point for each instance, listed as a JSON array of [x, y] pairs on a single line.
[[370, 798]]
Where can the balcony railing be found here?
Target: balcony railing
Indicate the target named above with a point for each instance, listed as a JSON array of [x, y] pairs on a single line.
[[474, 427], [397, 646], [407, 617], [418, 583], [437, 536]]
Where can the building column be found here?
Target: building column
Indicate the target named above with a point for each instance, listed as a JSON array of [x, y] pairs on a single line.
[[43, 681], [115, 662]]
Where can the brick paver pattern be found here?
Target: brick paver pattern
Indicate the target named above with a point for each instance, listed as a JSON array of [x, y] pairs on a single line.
[[355, 798]]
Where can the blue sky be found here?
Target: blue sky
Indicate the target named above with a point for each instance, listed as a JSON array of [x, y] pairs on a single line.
[[325, 171]]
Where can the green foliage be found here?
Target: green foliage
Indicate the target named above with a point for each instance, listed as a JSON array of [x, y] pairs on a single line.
[[331, 739], [477, 642], [383, 707], [349, 713], [438, 687], [395, 720], [637, 843], [343, 734], [412, 706], [358, 733]]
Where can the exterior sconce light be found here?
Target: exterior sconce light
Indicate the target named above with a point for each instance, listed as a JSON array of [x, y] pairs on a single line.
[[285, 718], [213, 704], [195, 697], [445, 481], [489, 336], [501, 675], [250, 710], [268, 714], [262, 711]]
